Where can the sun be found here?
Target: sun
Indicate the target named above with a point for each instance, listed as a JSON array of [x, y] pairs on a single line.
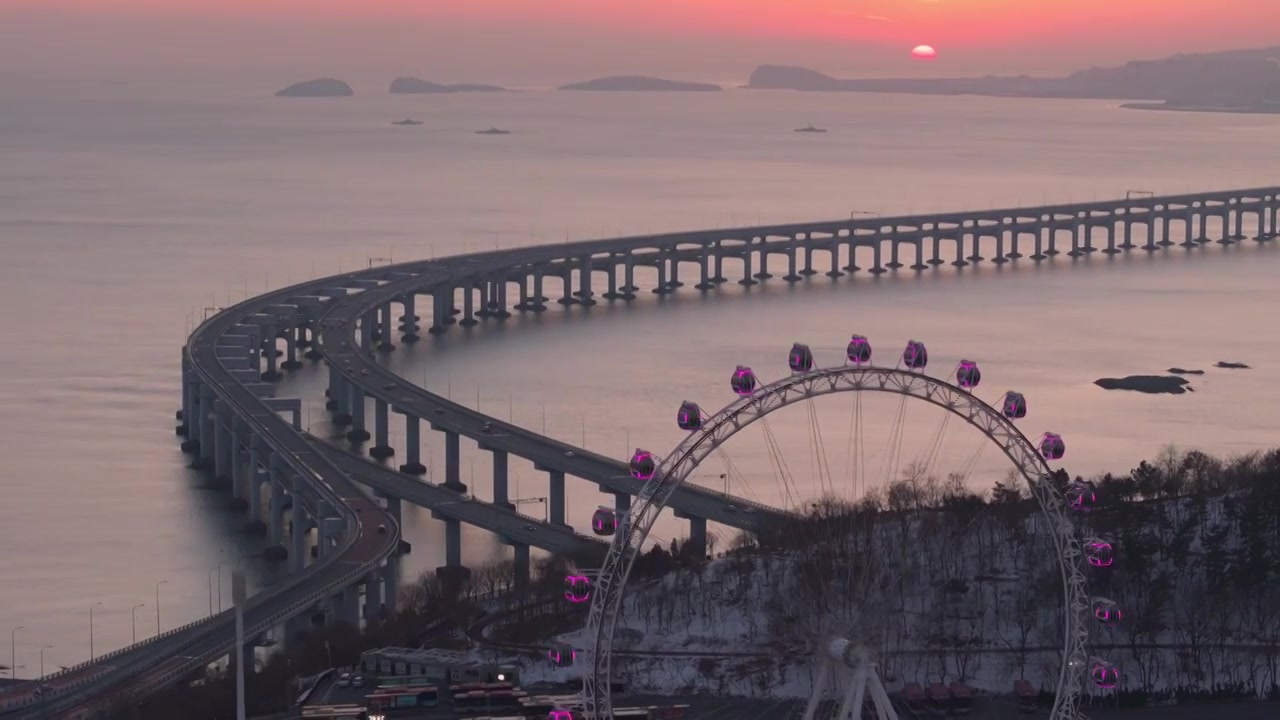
[[924, 52]]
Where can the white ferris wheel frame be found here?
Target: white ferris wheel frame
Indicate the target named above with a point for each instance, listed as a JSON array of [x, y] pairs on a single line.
[[671, 473]]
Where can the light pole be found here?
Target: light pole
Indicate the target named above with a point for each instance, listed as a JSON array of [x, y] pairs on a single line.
[[210, 575], [725, 478], [162, 582], [91, 607], [627, 449], [13, 652], [584, 433], [134, 613], [544, 417], [221, 564], [42, 649]]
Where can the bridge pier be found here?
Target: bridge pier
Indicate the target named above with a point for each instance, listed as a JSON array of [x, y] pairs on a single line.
[[272, 353], [468, 307], [877, 267], [188, 380], [275, 523], [538, 302], [717, 253], [662, 288], [238, 442], [204, 447], [367, 325], [522, 567], [959, 239], [500, 494], [793, 274], [975, 236], [381, 449], [746, 267], [330, 529], [584, 293], [764, 273], [453, 570], [357, 434], [291, 361], [893, 252], [697, 543], [299, 525], [555, 501], [410, 319], [391, 583], [372, 598], [221, 443], [674, 260], [340, 397], [387, 329], [919, 246], [440, 304], [453, 462], [413, 447], [629, 277], [347, 606]]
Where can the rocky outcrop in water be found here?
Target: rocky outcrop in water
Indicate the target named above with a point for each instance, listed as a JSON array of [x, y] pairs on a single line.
[[639, 83], [1152, 384], [418, 86], [1180, 371], [1231, 365], [323, 87]]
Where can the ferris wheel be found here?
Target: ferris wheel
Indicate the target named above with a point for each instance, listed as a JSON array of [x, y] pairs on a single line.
[[1063, 508]]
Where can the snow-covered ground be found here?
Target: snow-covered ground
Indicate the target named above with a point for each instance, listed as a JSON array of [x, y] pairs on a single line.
[[972, 593]]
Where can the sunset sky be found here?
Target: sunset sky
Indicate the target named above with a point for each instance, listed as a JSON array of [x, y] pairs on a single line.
[[552, 41]]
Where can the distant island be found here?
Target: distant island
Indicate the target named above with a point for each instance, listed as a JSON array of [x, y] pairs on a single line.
[[640, 83], [324, 87], [1232, 81], [1153, 384], [418, 86]]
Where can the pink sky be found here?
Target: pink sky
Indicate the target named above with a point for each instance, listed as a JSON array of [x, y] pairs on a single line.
[[561, 40]]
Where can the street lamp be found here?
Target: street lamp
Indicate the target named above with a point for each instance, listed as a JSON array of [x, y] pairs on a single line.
[[91, 607], [162, 582], [134, 613], [13, 652], [42, 649]]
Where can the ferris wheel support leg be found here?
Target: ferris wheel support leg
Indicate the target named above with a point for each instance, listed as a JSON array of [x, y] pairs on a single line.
[[853, 695], [819, 687], [884, 707]]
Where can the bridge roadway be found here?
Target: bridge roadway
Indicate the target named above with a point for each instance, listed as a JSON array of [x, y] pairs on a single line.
[[339, 346], [357, 553], [83, 684], [508, 524]]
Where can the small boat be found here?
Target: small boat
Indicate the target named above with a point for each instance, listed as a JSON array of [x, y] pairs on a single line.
[[493, 131], [810, 129], [407, 121]]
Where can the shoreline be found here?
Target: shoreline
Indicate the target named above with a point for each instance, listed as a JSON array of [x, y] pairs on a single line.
[[1166, 107]]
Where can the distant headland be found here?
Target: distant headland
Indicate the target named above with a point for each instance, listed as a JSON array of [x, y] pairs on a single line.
[[418, 86], [324, 87], [640, 83], [1231, 81]]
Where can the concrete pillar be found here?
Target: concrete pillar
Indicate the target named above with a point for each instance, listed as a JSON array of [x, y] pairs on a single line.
[[452, 543], [468, 307], [893, 253], [391, 583], [566, 285], [976, 235], [368, 322], [629, 287], [279, 481], [440, 317], [381, 434], [674, 281], [793, 273], [247, 657], [349, 606], [663, 287], [372, 598], [555, 507], [357, 434], [412, 447], [878, 268], [253, 494], [291, 350], [410, 319], [301, 524], [330, 529], [206, 425], [453, 462], [958, 262], [272, 373], [386, 338], [522, 568], [188, 377], [538, 302], [746, 267], [584, 281], [238, 442], [500, 494], [698, 537], [622, 502], [1075, 238], [221, 443], [500, 299]]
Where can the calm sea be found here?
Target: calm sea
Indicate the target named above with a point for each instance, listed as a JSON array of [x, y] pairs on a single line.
[[125, 211]]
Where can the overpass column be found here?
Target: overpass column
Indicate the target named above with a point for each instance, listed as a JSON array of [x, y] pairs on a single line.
[[555, 511], [221, 443], [521, 568], [893, 252], [976, 235], [299, 526], [412, 447], [188, 377], [566, 284], [391, 583], [367, 323], [500, 494], [388, 334], [340, 396], [622, 503], [538, 302], [452, 462], [500, 310], [207, 441], [1127, 240], [357, 434], [662, 287], [958, 262], [279, 479], [453, 571], [698, 537], [674, 258], [330, 528], [272, 353], [238, 483], [1075, 238], [584, 281], [291, 350], [746, 267], [410, 318], [792, 272], [629, 276], [1188, 230], [468, 308], [440, 311], [252, 493], [381, 435], [704, 270], [372, 598], [612, 278]]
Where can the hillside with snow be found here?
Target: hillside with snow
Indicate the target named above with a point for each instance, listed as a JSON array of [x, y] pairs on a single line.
[[943, 585]]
